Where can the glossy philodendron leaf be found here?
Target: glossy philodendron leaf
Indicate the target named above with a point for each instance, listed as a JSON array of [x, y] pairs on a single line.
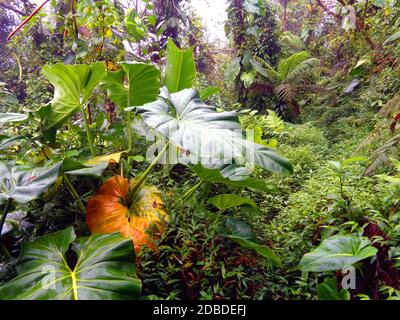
[[141, 219], [24, 184], [328, 290], [226, 201], [133, 85], [211, 138], [180, 71], [73, 86], [104, 270], [337, 252], [242, 234], [214, 176], [12, 117]]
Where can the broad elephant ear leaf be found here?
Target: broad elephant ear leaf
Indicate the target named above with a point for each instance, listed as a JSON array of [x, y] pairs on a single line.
[[337, 252], [180, 71], [73, 86], [212, 138], [24, 184], [105, 269], [142, 84]]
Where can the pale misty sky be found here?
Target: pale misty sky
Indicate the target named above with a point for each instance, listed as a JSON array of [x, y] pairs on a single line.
[[212, 13]]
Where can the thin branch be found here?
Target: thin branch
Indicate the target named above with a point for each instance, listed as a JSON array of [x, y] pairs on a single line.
[[12, 9], [326, 9], [26, 20]]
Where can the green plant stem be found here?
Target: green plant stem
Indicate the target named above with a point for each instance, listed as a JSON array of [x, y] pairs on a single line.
[[4, 216], [129, 127], [89, 136], [192, 190], [142, 178], [74, 193]]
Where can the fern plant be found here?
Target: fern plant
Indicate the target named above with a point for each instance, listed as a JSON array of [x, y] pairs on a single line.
[[286, 80], [384, 137]]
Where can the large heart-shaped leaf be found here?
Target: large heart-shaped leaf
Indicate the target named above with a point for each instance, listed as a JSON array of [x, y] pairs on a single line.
[[212, 138], [104, 270], [113, 209], [180, 71], [73, 86], [133, 85], [337, 252], [23, 184]]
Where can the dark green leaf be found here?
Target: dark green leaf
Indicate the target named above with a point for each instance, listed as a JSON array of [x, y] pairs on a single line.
[[212, 138], [328, 290], [73, 86], [143, 84], [242, 234], [214, 176], [180, 71], [337, 252], [226, 201], [105, 269], [207, 92]]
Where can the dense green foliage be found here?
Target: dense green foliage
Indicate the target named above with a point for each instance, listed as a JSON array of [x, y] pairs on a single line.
[[305, 97]]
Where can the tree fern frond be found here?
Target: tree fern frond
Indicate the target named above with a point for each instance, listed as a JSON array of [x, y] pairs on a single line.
[[261, 88], [302, 69], [382, 155], [274, 123], [379, 161], [232, 71], [292, 41], [287, 65], [391, 107], [285, 92], [375, 135]]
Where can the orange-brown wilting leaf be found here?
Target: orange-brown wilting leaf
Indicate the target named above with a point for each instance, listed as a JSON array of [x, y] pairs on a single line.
[[111, 66], [109, 158], [108, 212]]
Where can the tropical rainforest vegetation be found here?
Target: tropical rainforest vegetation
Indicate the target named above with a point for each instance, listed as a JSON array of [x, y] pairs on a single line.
[[141, 158]]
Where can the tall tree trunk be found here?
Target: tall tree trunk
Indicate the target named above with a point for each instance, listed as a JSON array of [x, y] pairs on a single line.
[[285, 20]]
